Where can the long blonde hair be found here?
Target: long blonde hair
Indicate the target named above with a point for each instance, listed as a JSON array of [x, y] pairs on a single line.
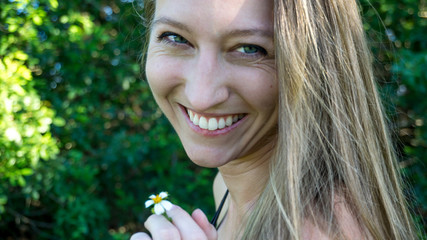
[[333, 140]]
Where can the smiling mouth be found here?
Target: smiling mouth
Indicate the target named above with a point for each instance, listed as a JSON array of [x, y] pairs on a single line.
[[213, 123]]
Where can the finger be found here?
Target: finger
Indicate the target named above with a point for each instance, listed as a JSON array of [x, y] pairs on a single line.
[[161, 229], [186, 225], [140, 236], [203, 222]]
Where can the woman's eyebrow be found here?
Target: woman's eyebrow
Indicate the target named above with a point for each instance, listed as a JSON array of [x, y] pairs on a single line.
[[249, 32], [262, 32], [171, 22]]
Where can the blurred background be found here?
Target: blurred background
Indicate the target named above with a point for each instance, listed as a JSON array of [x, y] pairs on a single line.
[[83, 144]]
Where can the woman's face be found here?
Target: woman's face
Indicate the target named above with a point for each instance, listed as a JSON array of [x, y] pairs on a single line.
[[211, 68]]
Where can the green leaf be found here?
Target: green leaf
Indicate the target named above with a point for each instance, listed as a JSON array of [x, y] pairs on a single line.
[[3, 200], [53, 3], [59, 122], [26, 171]]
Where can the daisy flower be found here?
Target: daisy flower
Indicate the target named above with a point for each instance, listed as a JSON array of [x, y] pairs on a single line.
[[160, 204]]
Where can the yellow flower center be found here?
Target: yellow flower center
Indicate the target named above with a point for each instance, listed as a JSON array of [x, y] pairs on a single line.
[[157, 199]]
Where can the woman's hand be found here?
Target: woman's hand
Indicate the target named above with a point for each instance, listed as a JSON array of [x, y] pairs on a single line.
[[182, 227]]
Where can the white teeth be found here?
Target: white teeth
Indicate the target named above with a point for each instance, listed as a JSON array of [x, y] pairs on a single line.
[[196, 119], [190, 114], [213, 124], [203, 123], [229, 121], [221, 123]]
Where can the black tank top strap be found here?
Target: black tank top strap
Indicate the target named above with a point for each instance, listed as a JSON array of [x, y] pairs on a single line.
[[218, 212]]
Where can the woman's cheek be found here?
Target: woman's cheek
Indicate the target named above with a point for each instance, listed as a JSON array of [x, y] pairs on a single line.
[[162, 75], [258, 86]]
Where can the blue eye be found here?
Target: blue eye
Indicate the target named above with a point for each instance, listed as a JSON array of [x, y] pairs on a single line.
[[172, 38], [251, 49]]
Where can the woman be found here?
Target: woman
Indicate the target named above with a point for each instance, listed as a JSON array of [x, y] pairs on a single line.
[[280, 97]]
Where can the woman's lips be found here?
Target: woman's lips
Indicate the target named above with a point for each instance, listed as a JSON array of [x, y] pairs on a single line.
[[212, 125]]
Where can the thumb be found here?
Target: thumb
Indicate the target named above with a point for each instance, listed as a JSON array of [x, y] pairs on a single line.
[[200, 218]]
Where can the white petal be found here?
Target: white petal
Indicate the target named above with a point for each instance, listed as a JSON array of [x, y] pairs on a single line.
[[152, 196], [149, 203], [158, 209], [163, 195], [166, 205]]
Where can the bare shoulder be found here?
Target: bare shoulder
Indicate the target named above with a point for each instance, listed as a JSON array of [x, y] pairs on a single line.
[[219, 189], [348, 224]]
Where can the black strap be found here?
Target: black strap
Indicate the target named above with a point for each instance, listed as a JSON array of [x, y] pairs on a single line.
[[216, 216]]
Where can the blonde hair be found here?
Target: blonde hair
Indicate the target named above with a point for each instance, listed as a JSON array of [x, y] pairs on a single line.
[[333, 141]]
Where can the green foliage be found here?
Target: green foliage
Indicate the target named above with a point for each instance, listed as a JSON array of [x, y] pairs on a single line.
[[116, 148], [70, 80], [24, 120]]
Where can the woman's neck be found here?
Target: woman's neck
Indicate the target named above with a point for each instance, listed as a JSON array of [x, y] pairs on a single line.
[[245, 179]]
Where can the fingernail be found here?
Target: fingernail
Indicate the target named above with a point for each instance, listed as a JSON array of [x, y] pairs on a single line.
[[201, 213]]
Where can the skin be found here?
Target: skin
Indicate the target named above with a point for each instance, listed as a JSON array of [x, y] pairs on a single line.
[[216, 58], [212, 75], [224, 65]]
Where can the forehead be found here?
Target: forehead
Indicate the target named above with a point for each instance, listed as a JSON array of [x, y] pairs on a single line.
[[217, 15]]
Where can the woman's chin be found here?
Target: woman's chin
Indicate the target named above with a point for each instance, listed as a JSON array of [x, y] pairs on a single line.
[[212, 153], [208, 160]]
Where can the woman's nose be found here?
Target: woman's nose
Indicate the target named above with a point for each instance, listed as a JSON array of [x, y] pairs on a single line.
[[206, 81]]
